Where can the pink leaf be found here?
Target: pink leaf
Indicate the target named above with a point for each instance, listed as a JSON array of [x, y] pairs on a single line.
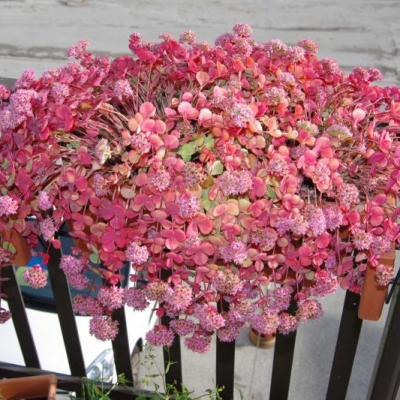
[[200, 258], [159, 215], [203, 78], [160, 127], [171, 142], [184, 108], [358, 115], [81, 183], [323, 240], [204, 223], [205, 116], [127, 193], [147, 109], [219, 210], [117, 222], [148, 125]]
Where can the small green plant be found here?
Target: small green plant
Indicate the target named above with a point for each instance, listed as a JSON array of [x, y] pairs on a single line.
[[97, 390], [176, 391]]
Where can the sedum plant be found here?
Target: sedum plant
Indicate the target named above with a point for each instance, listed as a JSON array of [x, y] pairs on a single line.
[[237, 177]]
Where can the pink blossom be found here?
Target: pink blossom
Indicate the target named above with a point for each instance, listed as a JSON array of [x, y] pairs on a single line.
[[309, 45], [208, 317], [278, 299], [71, 265], [160, 180], [179, 298], [26, 79], [4, 93], [287, 323], [227, 282], [157, 291], [384, 274], [123, 89], [136, 254], [35, 276], [79, 50], [198, 343], [380, 245], [60, 92], [136, 298], [233, 184], [333, 216], [140, 142], [235, 251], [182, 327], [229, 333], [193, 174], [4, 315], [325, 283], [362, 240], [47, 228], [187, 37], [266, 323], [86, 305], [309, 309], [8, 205], [78, 281], [103, 328], [44, 201], [316, 220], [111, 297], [243, 30], [99, 185], [348, 194], [160, 335], [189, 205]]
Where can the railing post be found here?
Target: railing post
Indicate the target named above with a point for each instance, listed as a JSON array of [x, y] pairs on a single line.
[[386, 377]]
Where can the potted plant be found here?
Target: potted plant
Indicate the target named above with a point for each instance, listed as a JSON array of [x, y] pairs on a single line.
[[31, 387], [252, 173]]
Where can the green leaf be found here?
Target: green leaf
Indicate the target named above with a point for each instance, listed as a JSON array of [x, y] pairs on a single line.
[[10, 247], [209, 142], [217, 168], [94, 258], [271, 192], [187, 150]]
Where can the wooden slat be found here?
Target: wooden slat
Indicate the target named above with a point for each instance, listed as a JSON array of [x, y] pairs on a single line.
[[121, 347], [17, 307], [282, 364], [62, 300], [346, 347]]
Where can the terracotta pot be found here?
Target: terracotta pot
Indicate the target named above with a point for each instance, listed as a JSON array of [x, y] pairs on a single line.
[[29, 387], [23, 253], [261, 340], [373, 296]]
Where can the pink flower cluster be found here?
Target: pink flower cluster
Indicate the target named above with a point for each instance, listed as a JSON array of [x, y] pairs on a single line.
[[35, 276], [237, 177]]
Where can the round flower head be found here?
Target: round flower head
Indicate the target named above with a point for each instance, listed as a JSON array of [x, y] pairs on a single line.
[[103, 328], [160, 335], [35, 276], [4, 315]]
